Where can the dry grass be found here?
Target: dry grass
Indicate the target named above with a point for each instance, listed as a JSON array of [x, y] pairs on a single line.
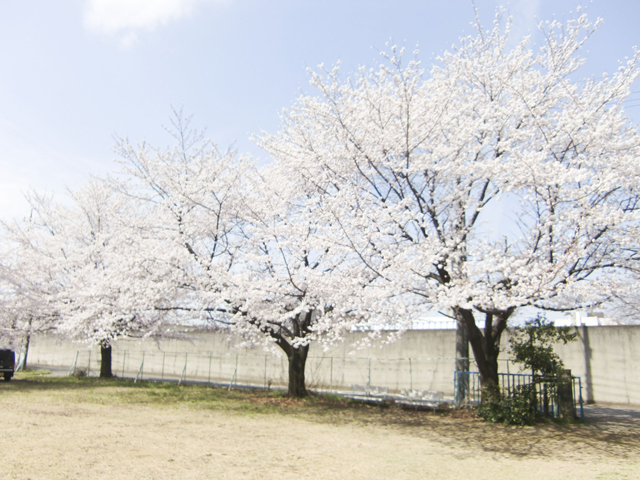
[[65, 427]]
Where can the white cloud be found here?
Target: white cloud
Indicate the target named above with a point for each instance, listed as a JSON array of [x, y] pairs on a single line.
[[124, 17]]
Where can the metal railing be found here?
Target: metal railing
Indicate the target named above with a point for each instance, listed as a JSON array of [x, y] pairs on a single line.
[[546, 391]]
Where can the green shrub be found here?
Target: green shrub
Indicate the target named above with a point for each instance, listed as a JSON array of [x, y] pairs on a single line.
[[532, 347], [517, 408]]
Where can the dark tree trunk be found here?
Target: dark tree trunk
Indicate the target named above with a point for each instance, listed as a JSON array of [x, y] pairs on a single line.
[[23, 362], [486, 345], [297, 362], [27, 341], [105, 361], [462, 360], [297, 357]]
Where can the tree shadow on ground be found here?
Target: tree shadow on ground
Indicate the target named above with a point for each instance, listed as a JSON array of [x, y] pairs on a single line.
[[597, 438]]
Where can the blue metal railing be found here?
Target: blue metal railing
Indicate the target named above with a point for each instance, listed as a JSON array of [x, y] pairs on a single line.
[[468, 391]]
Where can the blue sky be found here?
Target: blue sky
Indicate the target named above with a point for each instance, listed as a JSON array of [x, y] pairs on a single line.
[[74, 73]]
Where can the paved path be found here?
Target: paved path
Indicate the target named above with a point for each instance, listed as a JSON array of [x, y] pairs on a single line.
[[623, 414]]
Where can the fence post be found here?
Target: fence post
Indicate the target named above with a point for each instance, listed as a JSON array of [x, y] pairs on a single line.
[[209, 379], [233, 378], [580, 393], [565, 395], [183, 376], [73, 367], [369, 376], [265, 372], [162, 374], [139, 375], [20, 362], [331, 377], [476, 394], [410, 375]]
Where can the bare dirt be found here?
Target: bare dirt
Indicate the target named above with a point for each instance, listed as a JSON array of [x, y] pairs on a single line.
[[67, 436]]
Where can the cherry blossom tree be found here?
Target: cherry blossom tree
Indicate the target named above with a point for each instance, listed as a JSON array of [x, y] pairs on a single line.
[[232, 243], [190, 197], [288, 289], [77, 264], [103, 292], [24, 311], [494, 182], [625, 304], [27, 289]]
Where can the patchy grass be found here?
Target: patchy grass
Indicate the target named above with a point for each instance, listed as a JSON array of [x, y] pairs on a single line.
[[35, 399], [30, 374], [319, 408], [124, 391]]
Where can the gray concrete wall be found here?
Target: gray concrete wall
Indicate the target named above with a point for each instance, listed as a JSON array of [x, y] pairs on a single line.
[[427, 363], [606, 359]]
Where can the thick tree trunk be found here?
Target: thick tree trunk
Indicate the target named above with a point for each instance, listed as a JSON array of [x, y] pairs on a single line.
[[486, 346], [297, 357], [462, 361], [105, 361], [297, 363]]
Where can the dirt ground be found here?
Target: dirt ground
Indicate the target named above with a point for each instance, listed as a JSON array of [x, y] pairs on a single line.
[[59, 437]]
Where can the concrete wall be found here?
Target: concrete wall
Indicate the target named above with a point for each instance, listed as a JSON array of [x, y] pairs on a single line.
[[427, 363], [606, 359]]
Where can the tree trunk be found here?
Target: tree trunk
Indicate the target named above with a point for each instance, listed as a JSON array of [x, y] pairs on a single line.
[[105, 361], [486, 347], [297, 362], [297, 357], [23, 362], [27, 341], [462, 361]]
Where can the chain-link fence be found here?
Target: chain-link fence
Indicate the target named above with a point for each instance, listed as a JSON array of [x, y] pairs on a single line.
[[328, 373]]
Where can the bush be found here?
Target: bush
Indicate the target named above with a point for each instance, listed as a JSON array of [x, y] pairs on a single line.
[[531, 347], [518, 408]]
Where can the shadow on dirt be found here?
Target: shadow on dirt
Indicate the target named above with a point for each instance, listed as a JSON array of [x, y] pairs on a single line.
[[606, 433]]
